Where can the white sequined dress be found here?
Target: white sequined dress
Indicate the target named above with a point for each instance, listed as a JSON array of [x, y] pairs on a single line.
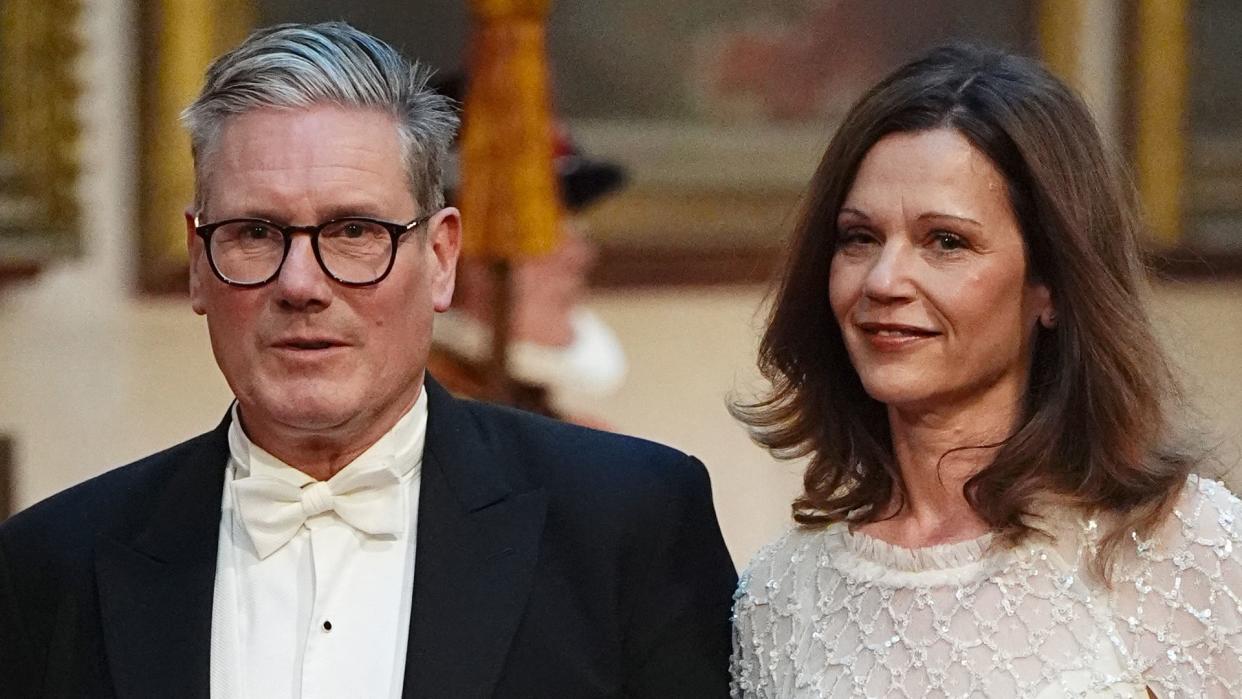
[[835, 613]]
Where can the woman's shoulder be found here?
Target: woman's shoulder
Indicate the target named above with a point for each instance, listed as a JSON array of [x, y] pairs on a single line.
[[1205, 514], [779, 563], [1199, 540], [1178, 594], [1213, 493]]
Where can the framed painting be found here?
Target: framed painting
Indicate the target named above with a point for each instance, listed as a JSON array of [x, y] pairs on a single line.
[[718, 109], [39, 134], [721, 109], [1200, 129]]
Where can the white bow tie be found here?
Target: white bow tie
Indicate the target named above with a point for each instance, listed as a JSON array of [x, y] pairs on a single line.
[[273, 510]]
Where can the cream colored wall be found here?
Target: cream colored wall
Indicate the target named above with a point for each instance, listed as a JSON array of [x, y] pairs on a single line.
[[1201, 327], [92, 377], [689, 351]]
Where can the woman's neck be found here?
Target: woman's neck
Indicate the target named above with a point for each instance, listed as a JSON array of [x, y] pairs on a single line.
[[937, 451]]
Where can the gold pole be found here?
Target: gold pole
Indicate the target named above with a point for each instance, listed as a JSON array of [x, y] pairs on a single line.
[[1162, 71], [509, 191], [183, 43], [509, 198]]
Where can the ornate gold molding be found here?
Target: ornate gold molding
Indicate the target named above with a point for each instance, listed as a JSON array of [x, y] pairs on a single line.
[[39, 131]]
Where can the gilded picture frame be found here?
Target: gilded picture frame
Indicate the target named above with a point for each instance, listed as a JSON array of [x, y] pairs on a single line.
[[178, 39], [703, 102], [39, 133], [714, 185]]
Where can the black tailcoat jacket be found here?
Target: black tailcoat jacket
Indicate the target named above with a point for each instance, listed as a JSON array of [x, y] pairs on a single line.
[[552, 561]]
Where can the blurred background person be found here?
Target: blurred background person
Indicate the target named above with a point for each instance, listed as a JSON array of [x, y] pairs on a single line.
[[557, 345]]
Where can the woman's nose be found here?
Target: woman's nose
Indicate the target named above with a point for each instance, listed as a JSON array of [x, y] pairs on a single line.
[[889, 275]]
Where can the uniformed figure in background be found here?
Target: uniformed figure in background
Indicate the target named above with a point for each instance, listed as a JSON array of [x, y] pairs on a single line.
[[556, 344]]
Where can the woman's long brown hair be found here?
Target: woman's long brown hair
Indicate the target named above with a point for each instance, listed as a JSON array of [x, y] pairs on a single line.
[[1094, 428]]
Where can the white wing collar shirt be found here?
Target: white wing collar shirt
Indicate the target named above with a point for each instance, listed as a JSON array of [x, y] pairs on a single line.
[[314, 579]]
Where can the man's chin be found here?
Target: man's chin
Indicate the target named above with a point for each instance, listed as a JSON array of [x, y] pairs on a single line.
[[302, 411]]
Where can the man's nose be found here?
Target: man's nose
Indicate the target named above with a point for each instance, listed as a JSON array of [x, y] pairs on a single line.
[[302, 282]]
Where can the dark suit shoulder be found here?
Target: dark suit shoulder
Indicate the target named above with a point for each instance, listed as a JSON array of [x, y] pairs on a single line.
[[605, 490], [115, 503], [555, 452], [52, 558], [630, 543]]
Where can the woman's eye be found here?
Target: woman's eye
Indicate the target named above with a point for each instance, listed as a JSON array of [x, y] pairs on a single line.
[[948, 241], [854, 237]]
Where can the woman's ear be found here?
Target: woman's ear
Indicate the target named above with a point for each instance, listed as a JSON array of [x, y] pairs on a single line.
[[1047, 310]]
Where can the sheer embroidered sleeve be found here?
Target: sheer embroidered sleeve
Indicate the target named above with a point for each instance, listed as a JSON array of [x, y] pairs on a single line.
[[761, 630], [1178, 597]]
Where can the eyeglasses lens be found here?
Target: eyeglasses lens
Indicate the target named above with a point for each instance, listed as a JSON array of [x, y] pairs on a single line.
[[351, 250]]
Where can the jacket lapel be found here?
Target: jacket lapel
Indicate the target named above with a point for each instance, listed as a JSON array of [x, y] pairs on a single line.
[[479, 529], [155, 588]]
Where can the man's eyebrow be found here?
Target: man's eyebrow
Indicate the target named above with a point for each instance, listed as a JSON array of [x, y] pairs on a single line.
[[337, 211], [256, 212], [347, 210]]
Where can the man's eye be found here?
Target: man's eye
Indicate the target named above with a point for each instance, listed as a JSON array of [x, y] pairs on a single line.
[[354, 231], [257, 232]]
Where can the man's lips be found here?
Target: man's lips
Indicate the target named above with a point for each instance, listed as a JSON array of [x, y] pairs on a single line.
[[308, 343]]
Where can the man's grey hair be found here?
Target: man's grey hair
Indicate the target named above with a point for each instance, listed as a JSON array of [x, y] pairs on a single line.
[[295, 66]]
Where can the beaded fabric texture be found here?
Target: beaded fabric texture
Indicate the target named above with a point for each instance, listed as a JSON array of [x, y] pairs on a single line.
[[831, 613]]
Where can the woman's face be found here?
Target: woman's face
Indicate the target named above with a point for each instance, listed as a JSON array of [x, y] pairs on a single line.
[[929, 281]]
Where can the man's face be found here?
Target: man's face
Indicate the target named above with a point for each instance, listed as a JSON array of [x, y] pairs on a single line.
[[305, 356]]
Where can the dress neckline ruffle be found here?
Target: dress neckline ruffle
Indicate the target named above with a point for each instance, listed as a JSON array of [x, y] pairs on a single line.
[[958, 554]]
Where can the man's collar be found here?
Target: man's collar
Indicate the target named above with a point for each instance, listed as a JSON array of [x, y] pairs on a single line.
[[400, 448]]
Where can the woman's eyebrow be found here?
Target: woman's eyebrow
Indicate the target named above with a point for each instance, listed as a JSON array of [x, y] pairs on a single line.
[[936, 215]]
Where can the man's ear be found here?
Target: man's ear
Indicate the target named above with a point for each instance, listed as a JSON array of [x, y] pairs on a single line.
[[444, 240], [194, 245]]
